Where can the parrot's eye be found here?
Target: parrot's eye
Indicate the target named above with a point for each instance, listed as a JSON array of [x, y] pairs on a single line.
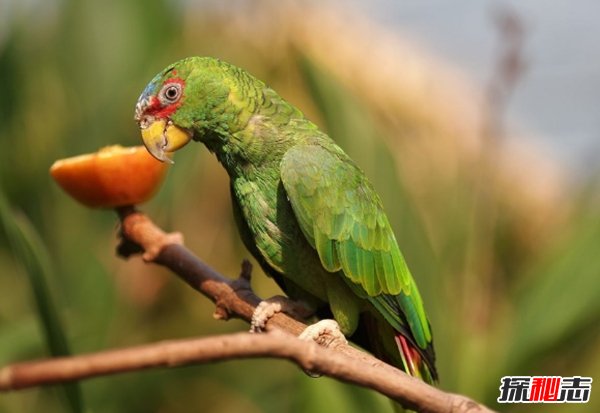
[[170, 93]]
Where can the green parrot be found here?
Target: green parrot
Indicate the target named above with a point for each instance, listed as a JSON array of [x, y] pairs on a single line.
[[303, 208]]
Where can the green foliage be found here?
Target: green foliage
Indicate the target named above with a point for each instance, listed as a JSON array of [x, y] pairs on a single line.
[[69, 84], [31, 253]]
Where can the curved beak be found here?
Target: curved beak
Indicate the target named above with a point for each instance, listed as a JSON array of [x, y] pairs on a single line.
[[161, 138]]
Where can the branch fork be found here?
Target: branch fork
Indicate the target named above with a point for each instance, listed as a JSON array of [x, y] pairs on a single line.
[[233, 298]]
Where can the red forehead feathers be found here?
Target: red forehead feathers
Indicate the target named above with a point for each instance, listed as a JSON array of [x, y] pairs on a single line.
[[155, 107], [175, 80]]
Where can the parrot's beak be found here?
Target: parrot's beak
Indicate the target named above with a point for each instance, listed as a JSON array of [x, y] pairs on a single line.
[[162, 137]]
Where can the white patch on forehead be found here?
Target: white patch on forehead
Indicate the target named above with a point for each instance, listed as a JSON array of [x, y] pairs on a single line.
[[140, 107]]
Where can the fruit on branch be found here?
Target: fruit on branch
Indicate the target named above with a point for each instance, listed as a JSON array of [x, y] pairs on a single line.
[[114, 176]]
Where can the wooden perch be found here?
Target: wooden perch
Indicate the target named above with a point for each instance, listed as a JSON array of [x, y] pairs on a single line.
[[233, 298]]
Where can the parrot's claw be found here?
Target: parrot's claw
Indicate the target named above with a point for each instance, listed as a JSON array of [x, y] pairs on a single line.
[[266, 309], [324, 333], [169, 239]]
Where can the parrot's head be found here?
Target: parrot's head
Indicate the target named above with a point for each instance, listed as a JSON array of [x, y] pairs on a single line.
[[179, 103]]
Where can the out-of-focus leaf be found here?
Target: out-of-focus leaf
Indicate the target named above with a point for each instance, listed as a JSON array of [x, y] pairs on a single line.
[[561, 297], [17, 338], [31, 253]]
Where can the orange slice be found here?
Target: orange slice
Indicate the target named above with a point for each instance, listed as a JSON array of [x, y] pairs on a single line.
[[114, 176]]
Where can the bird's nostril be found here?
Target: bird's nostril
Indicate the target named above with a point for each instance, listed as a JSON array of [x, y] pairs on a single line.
[[144, 121]]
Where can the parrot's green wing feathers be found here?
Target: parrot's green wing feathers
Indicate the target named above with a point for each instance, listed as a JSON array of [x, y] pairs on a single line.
[[342, 217]]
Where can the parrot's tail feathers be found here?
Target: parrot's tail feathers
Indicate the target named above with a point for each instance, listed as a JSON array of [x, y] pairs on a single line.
[[413, 362], [406, 354]]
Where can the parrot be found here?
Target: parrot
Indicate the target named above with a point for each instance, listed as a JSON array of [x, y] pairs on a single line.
[[304, 210]]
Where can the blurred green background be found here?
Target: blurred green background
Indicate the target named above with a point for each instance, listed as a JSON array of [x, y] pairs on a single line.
[[506, 254]]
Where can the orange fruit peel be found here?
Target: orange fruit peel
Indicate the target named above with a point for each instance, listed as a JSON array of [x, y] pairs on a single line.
[[112, 177]]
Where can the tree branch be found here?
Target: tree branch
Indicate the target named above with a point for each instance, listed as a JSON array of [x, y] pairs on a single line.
[[307, 355], [233, 298]]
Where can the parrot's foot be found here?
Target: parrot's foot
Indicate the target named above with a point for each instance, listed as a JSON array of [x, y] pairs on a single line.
[[277, 304], [168, 239], [325, 333]]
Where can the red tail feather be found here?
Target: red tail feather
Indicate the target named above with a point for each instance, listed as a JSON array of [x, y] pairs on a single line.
[[411, 358]]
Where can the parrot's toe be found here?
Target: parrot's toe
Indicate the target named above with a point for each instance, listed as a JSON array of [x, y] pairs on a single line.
[[264, 311], [277, 304], [325, 333]]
